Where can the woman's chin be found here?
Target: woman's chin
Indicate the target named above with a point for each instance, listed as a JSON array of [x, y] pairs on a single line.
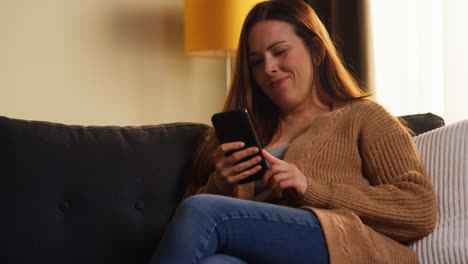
[[285, 105]]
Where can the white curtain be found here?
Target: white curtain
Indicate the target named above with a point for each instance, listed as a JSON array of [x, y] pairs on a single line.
[[420, 50]]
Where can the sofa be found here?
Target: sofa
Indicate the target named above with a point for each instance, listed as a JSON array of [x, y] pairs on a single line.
[[74, 194], [104, 194]]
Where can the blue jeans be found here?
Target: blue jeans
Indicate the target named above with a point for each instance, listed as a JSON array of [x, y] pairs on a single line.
[[216, 229]]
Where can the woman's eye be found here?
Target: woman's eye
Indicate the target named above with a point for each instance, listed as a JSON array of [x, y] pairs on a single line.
[[255, 63], [280, 52]]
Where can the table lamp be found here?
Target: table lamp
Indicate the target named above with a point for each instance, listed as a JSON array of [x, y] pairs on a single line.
[[212, 28]]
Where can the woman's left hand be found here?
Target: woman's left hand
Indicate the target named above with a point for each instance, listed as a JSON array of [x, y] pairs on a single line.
[[283, 176]]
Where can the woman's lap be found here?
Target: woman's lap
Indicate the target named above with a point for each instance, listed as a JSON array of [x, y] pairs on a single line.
[[254, 232]]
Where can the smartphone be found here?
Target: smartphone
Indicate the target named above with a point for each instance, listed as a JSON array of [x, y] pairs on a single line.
[[233, 126]]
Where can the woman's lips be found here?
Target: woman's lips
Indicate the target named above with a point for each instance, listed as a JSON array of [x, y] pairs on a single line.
[[279, 82]]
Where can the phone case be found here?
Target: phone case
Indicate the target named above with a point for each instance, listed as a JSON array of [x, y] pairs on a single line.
[[233, 126]]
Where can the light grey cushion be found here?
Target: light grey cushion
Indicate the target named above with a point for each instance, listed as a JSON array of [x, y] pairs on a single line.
[[444, 152]]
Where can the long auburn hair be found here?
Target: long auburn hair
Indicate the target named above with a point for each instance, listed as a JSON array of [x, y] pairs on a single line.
[[338, 85]]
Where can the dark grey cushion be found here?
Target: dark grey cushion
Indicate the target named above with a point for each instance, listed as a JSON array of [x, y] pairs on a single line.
[[421, 123], [75, 194]]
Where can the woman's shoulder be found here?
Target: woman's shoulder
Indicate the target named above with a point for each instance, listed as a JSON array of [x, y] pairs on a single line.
[[373, 118], [361, 114], [365, 109], [355, 111], [365, 105]]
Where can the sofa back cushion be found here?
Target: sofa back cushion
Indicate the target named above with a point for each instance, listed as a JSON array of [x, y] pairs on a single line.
[[75, 194], [444, 152], [421, 123]]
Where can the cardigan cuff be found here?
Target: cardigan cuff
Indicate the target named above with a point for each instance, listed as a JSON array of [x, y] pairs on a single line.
[[317, 195]]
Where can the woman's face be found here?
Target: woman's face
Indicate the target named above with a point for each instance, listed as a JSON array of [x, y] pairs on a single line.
[[281, 63]]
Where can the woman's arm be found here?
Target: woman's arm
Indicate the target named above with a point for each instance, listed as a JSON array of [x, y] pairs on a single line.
[[401, 206], [399, 200]]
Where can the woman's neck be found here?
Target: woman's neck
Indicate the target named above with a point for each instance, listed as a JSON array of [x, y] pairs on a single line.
[[295, 120], [301, 117], [293, 123]]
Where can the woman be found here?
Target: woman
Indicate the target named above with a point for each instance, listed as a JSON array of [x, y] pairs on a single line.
[[345, 185]]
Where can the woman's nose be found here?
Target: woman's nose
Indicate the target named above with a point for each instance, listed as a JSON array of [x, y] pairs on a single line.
[[271, 66]]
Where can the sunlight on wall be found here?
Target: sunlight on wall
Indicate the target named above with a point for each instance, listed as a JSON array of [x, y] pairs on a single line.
[[107, 62]]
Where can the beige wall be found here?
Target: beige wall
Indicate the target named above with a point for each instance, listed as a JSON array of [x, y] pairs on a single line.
[[105, 62]]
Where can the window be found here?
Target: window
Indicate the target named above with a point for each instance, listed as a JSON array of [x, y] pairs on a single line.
[[420, 56]]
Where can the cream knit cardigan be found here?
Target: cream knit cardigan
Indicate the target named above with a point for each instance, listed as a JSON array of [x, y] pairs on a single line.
[[366, 184]]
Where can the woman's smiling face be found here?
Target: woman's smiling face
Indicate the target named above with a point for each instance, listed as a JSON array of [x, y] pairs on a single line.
[[281, 63]]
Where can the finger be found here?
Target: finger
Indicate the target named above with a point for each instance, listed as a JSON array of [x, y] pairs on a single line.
[[269, 177], [266, 176], [224, 164], [241, 154], [277, 192], [283, 183], [279, 177], [245, 174], [275, 169], [246, 164], [226, 147], [290, 186], [270, 158], [220, 156], [279, 168], [275, 182], [231, 146]]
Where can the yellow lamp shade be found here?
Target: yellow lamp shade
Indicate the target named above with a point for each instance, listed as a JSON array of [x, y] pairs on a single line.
[[213, 27]]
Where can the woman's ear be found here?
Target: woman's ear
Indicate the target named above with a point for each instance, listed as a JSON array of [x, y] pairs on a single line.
[[318, 51]]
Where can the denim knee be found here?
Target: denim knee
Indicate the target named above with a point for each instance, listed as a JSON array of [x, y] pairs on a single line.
[[198, 201], [206, 205]]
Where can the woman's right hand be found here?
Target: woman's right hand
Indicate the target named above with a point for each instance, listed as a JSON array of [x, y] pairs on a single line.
[[225, 170]]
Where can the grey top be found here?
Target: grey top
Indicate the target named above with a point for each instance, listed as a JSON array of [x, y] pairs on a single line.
[[279, 153]]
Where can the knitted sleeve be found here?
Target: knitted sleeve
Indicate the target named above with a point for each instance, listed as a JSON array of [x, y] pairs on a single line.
[[399, 200]]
